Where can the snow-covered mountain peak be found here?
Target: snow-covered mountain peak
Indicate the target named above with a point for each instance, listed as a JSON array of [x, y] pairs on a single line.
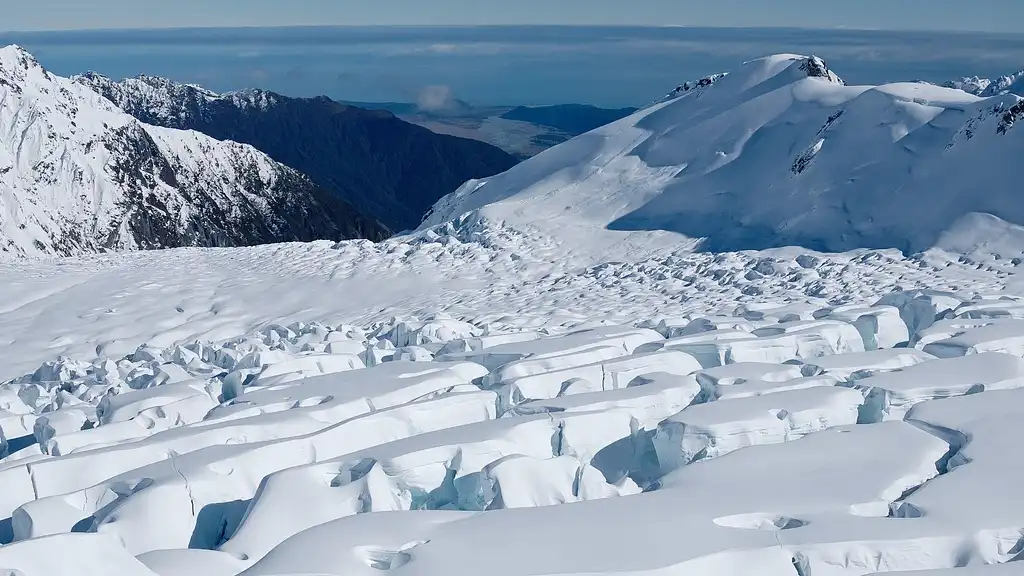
[[14, 57], [253, 98], [815, 67], [778, 152], [970, 84], [1012, 83], [20, 71], [783, 69], [37, 103], [756, 72], [152, 98], [78, 174]]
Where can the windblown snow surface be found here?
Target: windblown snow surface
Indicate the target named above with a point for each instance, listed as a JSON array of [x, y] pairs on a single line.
[[541, 381]]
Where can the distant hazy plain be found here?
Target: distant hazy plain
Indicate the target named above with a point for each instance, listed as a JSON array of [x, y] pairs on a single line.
[[604, 66]]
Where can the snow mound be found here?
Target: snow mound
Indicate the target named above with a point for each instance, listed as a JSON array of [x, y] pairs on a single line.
[[718, 428], [890, 395]]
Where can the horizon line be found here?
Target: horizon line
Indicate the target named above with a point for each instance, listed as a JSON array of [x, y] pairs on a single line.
[[505, 25]]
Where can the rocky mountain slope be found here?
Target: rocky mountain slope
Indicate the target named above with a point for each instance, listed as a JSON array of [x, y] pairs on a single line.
[[780, 152], [78, 175], [387, 168]]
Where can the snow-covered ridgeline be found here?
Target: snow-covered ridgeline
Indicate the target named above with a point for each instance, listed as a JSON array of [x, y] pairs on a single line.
[[776, 153]]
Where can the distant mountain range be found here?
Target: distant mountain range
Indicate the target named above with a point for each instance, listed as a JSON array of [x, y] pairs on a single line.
[[78, 174], [387, 168], [985, 87]]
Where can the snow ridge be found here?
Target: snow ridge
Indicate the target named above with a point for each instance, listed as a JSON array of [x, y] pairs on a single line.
[[970, 84], [165, 102], [77, 174], [695, 85], [158, 96], [1013, 83]]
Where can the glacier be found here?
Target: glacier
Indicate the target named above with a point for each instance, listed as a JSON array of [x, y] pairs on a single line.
[[545, 379]]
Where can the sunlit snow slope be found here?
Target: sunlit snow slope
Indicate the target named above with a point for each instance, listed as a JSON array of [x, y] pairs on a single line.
[[533, 388], [779, 152]]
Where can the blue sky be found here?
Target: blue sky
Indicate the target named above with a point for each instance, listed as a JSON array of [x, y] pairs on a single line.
[[979, 15]]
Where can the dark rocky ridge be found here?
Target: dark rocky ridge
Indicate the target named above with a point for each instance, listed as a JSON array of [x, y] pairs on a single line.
[[385, 167], [286, 207]]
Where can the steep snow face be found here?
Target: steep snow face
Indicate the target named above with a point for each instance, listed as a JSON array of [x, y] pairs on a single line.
[[77, 174], [780, 152]]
